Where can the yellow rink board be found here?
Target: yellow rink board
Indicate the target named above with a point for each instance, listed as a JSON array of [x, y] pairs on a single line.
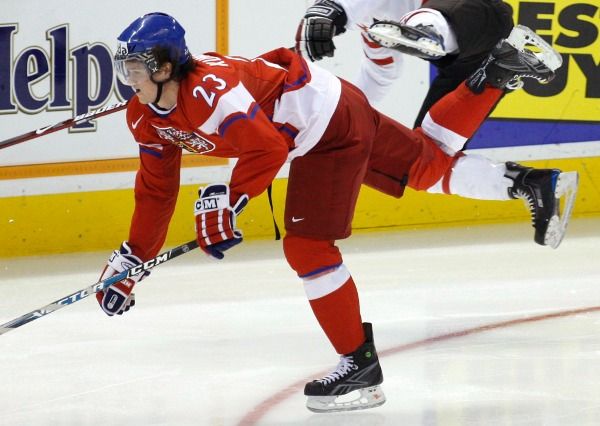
[[63, 223]]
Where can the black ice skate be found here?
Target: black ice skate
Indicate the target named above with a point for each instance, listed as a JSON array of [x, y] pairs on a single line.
[[510, 62], [421, 40], [541, 189], [354, 385]]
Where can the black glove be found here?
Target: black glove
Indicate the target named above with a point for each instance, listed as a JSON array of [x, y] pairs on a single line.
[[322, 21]]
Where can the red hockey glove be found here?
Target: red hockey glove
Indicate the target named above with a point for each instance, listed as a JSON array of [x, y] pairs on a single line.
[[322, 21], [215, 219], [118, 298]]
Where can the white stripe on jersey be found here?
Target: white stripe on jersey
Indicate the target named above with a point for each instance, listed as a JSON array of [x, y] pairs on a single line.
[[238, 99], [309, 109], [161, 112]]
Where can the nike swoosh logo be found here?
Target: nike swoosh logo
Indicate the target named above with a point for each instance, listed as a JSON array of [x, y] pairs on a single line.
[[135, 124], [294, 219], [43, 129]]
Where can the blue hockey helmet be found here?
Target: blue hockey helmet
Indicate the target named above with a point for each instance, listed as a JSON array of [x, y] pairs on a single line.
[[144, 34]]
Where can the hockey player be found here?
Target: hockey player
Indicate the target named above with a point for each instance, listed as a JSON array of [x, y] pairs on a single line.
[[455, 35], [277, 108]]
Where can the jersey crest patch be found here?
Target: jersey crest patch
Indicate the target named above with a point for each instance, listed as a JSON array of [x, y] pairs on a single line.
[[191, 142]]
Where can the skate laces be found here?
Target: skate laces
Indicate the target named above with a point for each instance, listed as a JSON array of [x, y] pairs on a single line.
[[529, 202], [515, 83], [345, 366], [534, 63]]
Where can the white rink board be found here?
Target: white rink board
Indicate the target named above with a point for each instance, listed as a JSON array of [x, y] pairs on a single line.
[[97, 22], [202, 175], [273, 24]]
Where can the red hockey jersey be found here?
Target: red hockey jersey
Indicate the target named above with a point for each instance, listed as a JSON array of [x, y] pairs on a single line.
[[261, 111]]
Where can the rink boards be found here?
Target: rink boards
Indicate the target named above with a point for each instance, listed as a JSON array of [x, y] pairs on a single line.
[[72, 191], [99, 220]]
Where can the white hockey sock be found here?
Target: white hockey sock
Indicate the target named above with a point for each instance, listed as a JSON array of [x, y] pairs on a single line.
[[474, 176], [425, 16]]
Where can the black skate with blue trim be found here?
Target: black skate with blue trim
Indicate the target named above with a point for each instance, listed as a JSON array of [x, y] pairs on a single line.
[[542, 190]]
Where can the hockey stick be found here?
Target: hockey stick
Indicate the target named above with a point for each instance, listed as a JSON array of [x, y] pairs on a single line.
[[101, 285], [105, 110]]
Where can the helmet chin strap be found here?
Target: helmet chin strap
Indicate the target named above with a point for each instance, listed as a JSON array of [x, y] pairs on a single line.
[[159, 87]]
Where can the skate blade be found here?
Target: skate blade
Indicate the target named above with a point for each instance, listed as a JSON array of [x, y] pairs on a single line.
[[557, 226], [390, 35], [522, 36], [356, 400]]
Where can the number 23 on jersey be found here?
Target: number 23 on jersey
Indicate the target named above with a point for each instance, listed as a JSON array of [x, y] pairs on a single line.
[[209, 96]]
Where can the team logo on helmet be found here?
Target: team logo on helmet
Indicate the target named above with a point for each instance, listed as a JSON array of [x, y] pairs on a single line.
[[191, 142], [122, 51]]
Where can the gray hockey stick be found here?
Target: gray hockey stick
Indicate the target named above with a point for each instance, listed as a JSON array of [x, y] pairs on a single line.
[[101, 285], [70, 122]]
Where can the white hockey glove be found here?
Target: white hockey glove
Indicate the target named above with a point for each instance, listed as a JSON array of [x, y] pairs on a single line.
[[118, 298], [322, 21], [215, 219]]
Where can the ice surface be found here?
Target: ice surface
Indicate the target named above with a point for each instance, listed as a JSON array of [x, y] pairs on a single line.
[[475, 326]]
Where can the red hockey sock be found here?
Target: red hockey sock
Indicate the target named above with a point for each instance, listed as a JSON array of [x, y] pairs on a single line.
[[329, 288], [339, 315], [463, 111]]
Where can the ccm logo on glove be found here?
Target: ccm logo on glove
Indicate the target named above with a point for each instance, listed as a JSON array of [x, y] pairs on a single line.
[[216, 229], [207, 204]]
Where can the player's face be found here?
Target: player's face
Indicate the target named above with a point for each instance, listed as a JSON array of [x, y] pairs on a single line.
[[132, 72], [146, 91], [135, 74]]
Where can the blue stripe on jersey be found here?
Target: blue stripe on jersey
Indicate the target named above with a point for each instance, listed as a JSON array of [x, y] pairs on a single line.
[[151, 152], [299, 82], [284, 128], [254, 108]]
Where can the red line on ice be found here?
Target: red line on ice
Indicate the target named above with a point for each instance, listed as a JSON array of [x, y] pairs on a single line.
[[258, 412]]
